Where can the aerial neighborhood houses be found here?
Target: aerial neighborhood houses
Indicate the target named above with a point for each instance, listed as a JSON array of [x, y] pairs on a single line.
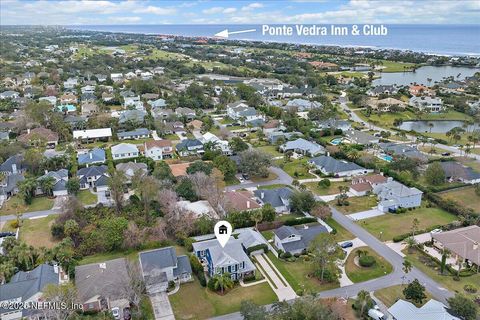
[[146, 154]]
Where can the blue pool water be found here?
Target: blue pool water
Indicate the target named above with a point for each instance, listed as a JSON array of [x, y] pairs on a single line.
[[386, 157], [70, 107], [336, 141]]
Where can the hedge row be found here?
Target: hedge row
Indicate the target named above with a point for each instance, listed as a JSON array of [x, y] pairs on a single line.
[[404, 236], [258, 247], [294, 222]]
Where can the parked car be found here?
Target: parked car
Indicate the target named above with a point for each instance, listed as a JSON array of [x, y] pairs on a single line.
[[347, 244], [376, 314], [116, 313], [436, 231], [446, 154], [245, 176]]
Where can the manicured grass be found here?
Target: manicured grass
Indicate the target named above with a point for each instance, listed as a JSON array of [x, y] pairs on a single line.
[[290, 216], [396, 224], [321, 191], [298, 166], [86, 197], [360, 274], [357, 204], [193, 301], [271, 176], [36, 232], [342, 233], [465, 196], [395, 66], [232, 182], [129, 254], [298, 275], [392, 294], [267, 234], [16, 204], [433, 271], [272, 150], [274, 186]]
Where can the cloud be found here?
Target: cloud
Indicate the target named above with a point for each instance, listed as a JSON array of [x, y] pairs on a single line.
[[217, 10], [156, 10], [125, 19], [252, 6]]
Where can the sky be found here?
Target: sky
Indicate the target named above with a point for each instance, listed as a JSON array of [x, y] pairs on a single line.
[[108, 12]]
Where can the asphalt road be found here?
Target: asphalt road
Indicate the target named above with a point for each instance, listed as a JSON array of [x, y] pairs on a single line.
[[394, 278], [282, 178], [33, 214]]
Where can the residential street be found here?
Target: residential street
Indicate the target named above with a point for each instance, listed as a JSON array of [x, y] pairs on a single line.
[[282, 178]]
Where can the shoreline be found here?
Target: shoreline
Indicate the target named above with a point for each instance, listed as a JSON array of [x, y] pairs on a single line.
[[369, 47]]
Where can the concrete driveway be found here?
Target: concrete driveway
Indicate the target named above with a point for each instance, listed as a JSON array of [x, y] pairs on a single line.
[[282, 178], [161, 306], [344, 280], [283, 290], [366, 214]]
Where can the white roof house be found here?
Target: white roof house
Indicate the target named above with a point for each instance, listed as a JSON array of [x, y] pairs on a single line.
[[199, 208], [92, 133], [125, 151], [432, 310]]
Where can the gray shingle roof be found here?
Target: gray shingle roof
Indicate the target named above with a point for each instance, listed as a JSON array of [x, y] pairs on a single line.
[[92, 171], [307, 234], [333, 165], [94, 155], [105, 279], [275, 197], [26, 284], [136, 132]]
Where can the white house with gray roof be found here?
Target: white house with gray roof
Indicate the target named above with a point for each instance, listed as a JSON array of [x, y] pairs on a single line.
[[162, 265], [426, 103], [230, 259], [140, 133], [296, 239], [278, 198], [393, 195], [303, 146], [432, 310], [125, 151], [303, 105], [339, 168], [60, 186], [242, 112]]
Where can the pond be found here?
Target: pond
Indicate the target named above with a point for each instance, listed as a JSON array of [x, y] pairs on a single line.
[[421, 75], [439, 126]]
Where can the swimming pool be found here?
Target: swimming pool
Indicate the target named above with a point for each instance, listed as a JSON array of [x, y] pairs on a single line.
[[69, 107], [385, 157], [336, 141]]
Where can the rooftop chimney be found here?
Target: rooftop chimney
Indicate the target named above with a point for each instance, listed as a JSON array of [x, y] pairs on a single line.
[[248, 204], [55, 268], [262, 195], [28, 131], [14, 168]]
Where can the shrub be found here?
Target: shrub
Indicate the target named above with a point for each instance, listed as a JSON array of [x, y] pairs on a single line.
[[293, 222], [249, 278], [188, 243], [286, 255], [262, 246], [470, 288], [57, 230], [299, 292], [211, 284], [366, 261], [201, 279], [14, 224]]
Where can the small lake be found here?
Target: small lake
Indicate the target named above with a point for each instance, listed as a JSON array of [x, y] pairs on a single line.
[[439, 126], [421, 75]]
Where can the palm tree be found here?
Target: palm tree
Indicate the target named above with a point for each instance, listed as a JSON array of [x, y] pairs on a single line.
[[47, 184], [363, 297], [431, 125], [223, 281], [411, 243], [407, 267], [26, 189], [7, 269], [353, 154], [445, 255], [257, 216]]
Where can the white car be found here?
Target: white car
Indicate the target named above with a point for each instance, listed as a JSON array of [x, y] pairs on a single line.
[[436, 231]]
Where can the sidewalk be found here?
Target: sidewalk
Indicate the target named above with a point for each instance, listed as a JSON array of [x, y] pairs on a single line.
[[283, 292]]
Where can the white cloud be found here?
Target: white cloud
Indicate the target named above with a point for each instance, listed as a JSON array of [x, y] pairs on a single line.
[[156, 10], [251, 6], [124, 19], [217, 10], [229, 10]]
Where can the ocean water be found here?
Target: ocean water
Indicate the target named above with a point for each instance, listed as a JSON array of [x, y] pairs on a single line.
[[461, 40]]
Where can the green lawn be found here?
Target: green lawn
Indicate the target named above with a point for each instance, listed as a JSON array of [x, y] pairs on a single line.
[[465, 196], [357, 204], [392, 294], [296, 168], [16, 204], [433, 271], [395, 66], [342, 233], [272, 150], [360, 274], [271, 176], [267, 234], [36, 232], [193, 301], [321, 191], [273, 186], [396, 224], [86, 197], [298, 275]]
